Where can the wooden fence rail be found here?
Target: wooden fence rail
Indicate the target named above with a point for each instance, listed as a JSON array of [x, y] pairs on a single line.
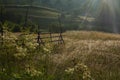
[[51, 37]]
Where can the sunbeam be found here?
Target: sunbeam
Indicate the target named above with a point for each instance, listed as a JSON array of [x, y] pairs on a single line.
[[112, 7], [107, 10], [91, 4]]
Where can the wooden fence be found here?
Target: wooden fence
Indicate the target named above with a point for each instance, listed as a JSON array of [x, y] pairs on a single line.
[[50, 37]]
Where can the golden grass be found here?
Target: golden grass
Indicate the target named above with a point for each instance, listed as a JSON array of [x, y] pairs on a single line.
[[99, 51], [91, 35]]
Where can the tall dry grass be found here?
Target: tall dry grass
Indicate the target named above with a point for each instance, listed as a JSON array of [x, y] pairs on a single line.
[[99, 51], [85, 56]]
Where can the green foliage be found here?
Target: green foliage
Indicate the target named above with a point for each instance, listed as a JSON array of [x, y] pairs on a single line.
[[22, 59], [16, 56], [79, 71], [12, 26]]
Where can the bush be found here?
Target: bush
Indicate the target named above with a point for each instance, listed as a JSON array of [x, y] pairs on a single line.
[[22, 59]]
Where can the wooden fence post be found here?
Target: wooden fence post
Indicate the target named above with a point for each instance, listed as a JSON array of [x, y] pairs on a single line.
[[39, 39], [60, 24], [27, 12], [38, 36], [50, 34], [26, 17]]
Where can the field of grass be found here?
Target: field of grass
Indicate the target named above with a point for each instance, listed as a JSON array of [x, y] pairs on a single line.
[[99, 51], [86, 55]]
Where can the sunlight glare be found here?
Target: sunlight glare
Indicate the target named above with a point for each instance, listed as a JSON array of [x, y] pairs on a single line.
[[109, 8]]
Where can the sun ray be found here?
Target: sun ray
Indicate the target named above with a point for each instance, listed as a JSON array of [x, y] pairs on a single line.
[[109, 7], [90, 5], [113, 7]]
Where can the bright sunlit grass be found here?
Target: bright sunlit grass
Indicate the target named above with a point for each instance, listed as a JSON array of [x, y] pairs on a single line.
[[99, 51]]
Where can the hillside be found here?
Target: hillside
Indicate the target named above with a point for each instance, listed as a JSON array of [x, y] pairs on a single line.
[[96, 15], [17, 16], [46, 17], [33, 11]]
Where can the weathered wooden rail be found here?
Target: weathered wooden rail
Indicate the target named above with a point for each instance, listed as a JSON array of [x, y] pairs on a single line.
[[51, 37]]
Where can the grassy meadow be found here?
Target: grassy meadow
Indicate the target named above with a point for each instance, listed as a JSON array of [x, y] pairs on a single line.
[[30, 35], [99, 51], [86, 55]]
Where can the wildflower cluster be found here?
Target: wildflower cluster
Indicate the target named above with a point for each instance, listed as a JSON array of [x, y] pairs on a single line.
[[80, 70], [33, 72]]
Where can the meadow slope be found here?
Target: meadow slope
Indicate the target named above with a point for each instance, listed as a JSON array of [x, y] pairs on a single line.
[[99, 51], [86, 55]]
